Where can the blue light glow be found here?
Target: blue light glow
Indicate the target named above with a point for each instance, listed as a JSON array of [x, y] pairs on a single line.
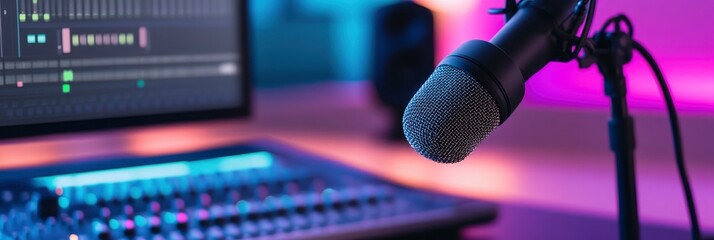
[[135, 193], [63, 202], [114, 224], [157, 171], [243, 207], [169, 218], [140, 221], [90, 199]]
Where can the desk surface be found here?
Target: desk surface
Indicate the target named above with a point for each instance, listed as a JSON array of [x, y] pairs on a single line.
[[546, 157], [517, 222]]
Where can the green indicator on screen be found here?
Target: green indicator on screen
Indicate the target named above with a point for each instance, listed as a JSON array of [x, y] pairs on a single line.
[[23, 17], [46, 17], [35, 17], [66, 88], [130, 39], [90, 39], [75, 40], [41, 38], [141, 83], [34, 1], [68, 76], [31, 39], [122, 39]]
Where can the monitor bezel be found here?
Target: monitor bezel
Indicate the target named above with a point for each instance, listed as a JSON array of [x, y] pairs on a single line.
[[240, 111]]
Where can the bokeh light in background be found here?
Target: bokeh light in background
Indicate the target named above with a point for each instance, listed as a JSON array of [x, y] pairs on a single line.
[[675, 32], [459, 21], [679, 35]]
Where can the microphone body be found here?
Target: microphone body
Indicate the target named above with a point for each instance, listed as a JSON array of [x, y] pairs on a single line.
[[478, 86]]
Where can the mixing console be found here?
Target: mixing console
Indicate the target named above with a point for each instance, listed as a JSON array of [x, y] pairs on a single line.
[[262, 190]]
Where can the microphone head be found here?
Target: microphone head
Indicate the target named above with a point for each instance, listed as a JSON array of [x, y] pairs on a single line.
[[450, 115]]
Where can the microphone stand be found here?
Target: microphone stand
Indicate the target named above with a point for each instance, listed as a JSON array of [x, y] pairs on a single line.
[[611, 51]]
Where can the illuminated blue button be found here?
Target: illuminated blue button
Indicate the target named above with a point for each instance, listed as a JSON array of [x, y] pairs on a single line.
[[63, 202], [90, 199], [169, 218], [114, 224], [140, 221]]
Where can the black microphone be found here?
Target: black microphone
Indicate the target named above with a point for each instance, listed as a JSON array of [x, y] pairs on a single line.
[[478, 86]]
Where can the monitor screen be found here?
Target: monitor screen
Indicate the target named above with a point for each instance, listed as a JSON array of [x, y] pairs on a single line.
[[70, 65]]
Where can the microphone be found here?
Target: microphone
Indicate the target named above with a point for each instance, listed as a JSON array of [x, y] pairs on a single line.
[[478, 86]]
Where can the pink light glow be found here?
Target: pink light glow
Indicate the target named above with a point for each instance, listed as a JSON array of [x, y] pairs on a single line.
[[143, 37], [459, 7], [66, 43], [460, 21], [682, 45], [687, 61]]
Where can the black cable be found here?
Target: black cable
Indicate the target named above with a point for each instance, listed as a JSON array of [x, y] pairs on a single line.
[[676, 136], [615, 21], [586, 28]]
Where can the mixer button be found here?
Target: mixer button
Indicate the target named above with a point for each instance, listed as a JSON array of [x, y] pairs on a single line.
[[250, 229], [299, 221], [176, 236], [196, 234], [267, 226], [215, 233], [232, 231], [218, 215]]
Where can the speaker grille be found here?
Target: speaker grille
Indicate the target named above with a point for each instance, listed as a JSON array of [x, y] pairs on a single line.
[[449, 116]]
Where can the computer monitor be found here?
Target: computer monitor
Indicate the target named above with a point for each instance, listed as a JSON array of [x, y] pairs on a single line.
[[74, 65]]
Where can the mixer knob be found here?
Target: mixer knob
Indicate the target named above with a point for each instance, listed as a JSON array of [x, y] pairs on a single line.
[[155, 207], [101, 230], [232, 231], [218, 215], [105, 213], [176, 236], [203, 217], [179, 204], [155, 224], [129, 210], [196, 234], [182, 221], [129, 228], [250, 229], [48, 205], [215, 233]]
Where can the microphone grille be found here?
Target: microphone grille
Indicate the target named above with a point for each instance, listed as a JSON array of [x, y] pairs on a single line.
[[449, 116]]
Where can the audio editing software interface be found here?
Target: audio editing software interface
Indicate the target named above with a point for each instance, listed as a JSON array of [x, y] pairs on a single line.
[[70, 60]]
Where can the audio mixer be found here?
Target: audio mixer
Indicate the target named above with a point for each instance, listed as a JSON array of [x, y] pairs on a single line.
[[259, 190]]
